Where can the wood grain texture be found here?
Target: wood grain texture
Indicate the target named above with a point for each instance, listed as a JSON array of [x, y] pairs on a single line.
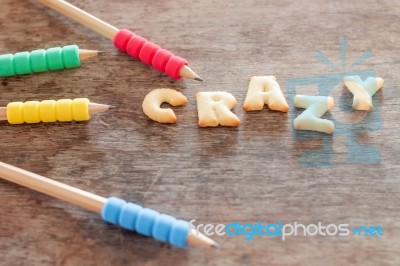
[[219, 175]]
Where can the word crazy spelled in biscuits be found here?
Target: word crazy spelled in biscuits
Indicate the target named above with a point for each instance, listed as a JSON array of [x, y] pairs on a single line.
[[214, 107]]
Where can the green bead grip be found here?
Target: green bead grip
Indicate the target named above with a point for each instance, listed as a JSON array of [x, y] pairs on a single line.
[[39, 61]]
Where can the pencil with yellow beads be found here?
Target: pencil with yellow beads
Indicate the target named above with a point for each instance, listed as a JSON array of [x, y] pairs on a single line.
[[37, 61], [127, 41], [64, 110]]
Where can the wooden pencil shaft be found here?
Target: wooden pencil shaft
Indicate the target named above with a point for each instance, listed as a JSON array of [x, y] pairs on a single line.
[[81, 17], [52, 188]]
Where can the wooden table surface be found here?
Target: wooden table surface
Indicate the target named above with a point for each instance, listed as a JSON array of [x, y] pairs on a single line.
[[260, 171]]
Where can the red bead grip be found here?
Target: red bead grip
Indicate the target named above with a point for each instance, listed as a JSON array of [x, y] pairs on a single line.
[[149, 53]]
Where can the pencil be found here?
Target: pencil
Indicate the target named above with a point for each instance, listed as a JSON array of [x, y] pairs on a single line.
[[144, 221], [55, 58], [85, 54], [64, 110], [127, 41]]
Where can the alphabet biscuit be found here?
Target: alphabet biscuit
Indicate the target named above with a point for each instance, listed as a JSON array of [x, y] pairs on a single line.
[[214, 109], [264, 90], [154, 99], [316, 106], [363, 91]]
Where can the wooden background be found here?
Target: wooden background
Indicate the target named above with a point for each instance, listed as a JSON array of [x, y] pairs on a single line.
[[219, 175]]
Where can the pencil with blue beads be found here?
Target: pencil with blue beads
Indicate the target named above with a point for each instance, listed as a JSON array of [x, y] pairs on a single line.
[[148, 222]]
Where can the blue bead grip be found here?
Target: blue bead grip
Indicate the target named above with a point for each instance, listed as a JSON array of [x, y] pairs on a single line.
[[162, 227]]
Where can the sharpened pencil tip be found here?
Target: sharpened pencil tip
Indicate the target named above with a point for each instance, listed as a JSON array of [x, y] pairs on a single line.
[[196, 238], [186, 72], [101, 52], [95, 108], [216, 245]]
